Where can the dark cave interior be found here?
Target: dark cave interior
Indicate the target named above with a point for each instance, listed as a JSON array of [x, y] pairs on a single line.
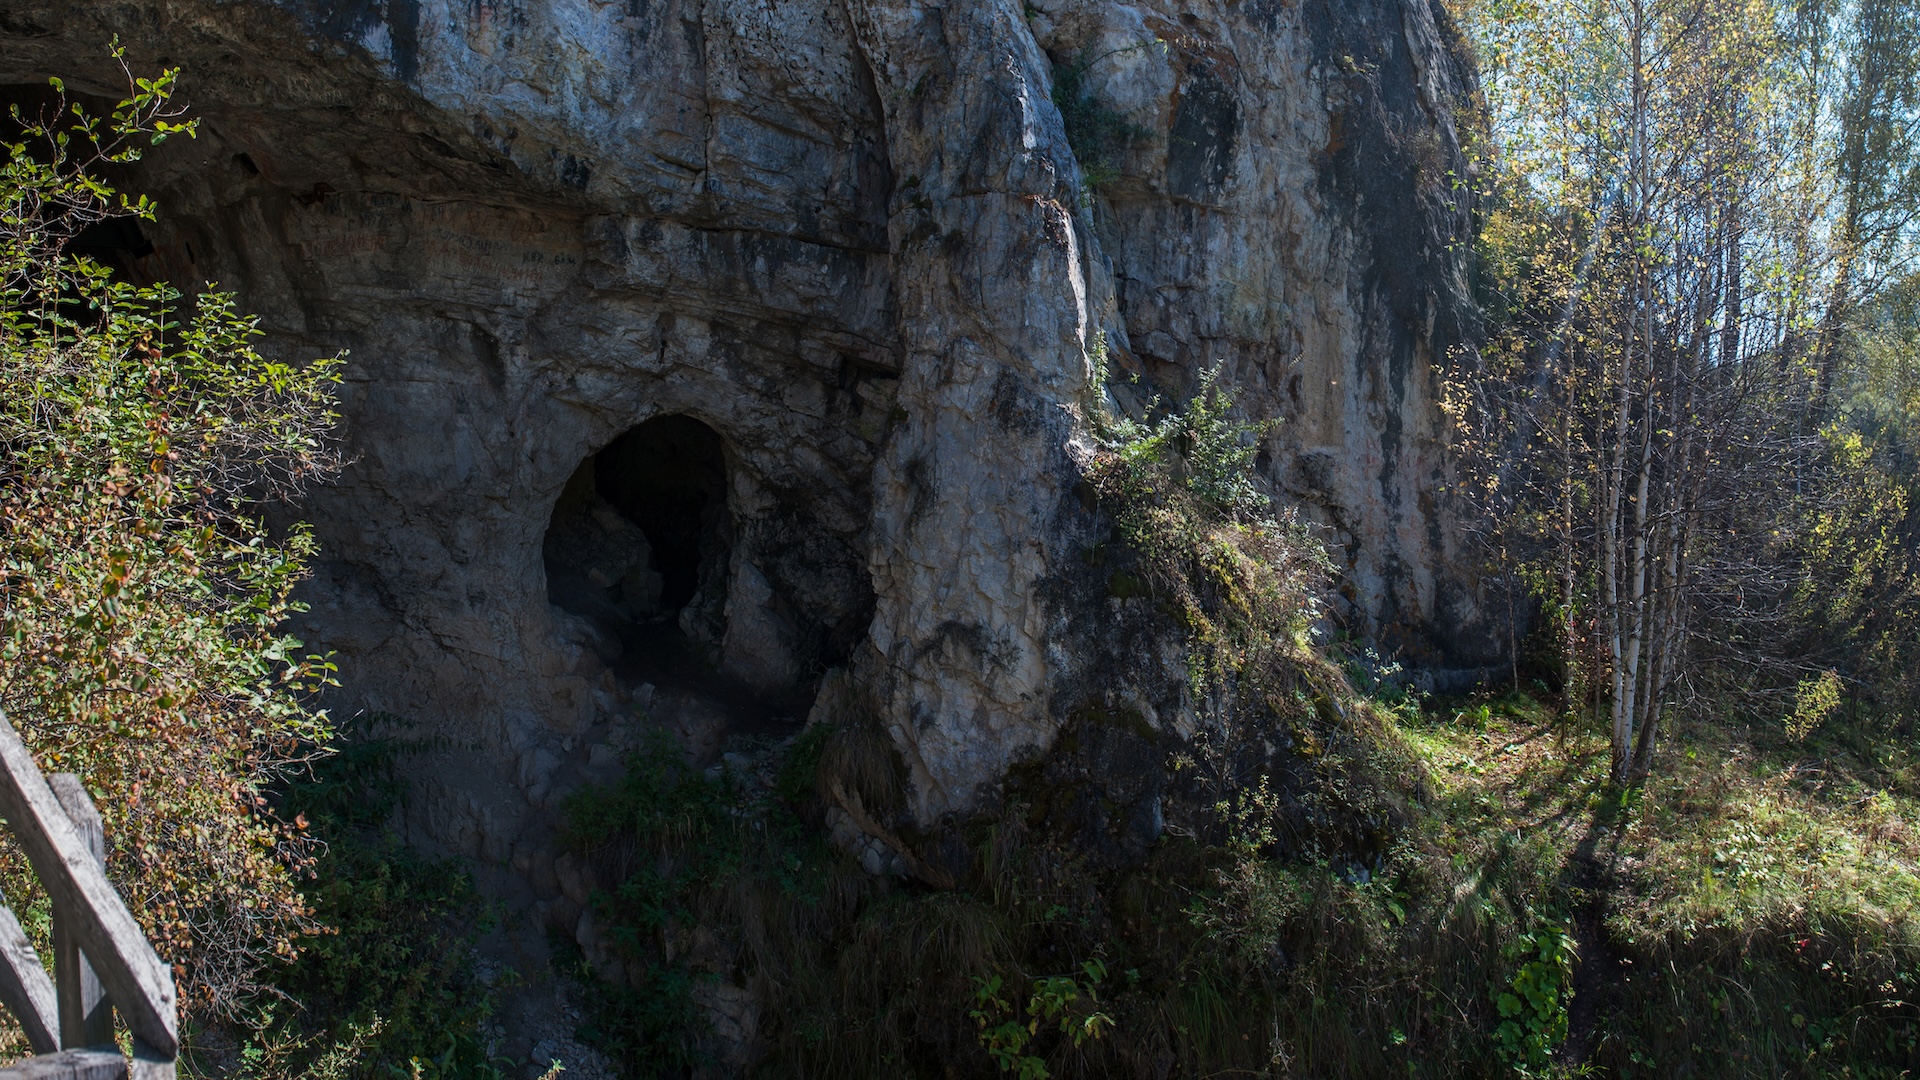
[[641, 531]]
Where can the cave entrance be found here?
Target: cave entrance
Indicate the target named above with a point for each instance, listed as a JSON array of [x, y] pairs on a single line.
[[641, 533]]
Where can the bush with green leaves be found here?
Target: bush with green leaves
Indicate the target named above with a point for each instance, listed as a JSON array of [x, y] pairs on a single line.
[[1533, 1005], [668, 836], [1192, 532], [143, 594], [1062, 1007]]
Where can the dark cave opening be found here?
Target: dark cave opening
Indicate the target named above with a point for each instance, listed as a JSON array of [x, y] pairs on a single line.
[[641, 532], [639, 558], [669, 476]]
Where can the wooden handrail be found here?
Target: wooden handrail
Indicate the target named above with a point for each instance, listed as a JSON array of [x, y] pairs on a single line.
[[24, 986], [86, 1017], [95, 935], [92, 1063]]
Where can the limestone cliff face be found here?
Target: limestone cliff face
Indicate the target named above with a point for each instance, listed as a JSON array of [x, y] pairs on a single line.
[[855, 240]]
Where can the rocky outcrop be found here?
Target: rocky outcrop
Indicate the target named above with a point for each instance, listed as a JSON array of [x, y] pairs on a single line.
[[873, 248]]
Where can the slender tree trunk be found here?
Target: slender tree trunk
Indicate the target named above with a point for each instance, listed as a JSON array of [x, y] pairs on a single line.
[[1569, 646], [1736, 300], [1623, 612], [1610, 533], [1833, 319]]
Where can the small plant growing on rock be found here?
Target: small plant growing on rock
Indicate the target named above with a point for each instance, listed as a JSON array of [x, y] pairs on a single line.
[[1096, 131], [1063, 1002], [1182, 494], [1245, 582]]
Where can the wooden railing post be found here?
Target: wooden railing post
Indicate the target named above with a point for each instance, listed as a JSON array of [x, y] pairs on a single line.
[[53, 831], [97, 1063], [24, 986], [86, 1017]]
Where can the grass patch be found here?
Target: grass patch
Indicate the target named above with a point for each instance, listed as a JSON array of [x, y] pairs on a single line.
[[1758, 895], [1772, 886]]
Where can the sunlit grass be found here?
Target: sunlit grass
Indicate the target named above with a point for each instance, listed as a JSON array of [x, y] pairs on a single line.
[[1759, 893], [1736, 824], [1739, 833]]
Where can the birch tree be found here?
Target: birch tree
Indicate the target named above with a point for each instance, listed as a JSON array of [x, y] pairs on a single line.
[[1672, 230]]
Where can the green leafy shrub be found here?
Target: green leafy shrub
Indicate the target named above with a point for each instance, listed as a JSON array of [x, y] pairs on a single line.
[[142, 593], [396, 958], [1814, 701], [1062, 1003], [672, 843], [388, 985], [1533, 1006], [1244, 581], [666, 809]]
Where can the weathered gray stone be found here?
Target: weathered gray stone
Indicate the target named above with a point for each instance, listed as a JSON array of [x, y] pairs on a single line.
[[859, 243], [856, 241]]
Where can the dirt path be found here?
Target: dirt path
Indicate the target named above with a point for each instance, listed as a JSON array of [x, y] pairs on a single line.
[[1597, 964]]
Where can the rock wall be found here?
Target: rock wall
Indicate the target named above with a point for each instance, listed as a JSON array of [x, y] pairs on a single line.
[[854, 238]]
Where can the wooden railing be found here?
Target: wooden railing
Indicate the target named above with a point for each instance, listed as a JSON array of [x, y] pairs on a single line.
[[101, 960]]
